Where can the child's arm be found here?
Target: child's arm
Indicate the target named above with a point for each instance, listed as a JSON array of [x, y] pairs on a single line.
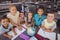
[[12, 22], [6, 35], [45, 29], [53, 28], [14, 31], [32, 23], [18, 21], [19, 27], [50, 30]]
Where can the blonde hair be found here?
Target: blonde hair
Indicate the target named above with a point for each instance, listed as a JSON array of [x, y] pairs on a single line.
[[11, 6]]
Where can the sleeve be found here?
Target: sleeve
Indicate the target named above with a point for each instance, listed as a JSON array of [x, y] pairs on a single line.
[[10, 25], [42, 19], [54, 26], [34, 18], [43, 23], [1, 30]]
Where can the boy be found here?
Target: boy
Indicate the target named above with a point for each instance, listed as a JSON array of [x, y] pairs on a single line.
[[6, 27], [38, 18], [14, 16], [47, 27]]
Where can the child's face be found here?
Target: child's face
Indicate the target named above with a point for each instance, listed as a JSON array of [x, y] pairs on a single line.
[[22, 15], [50, 17], [13, 10], [40, 11], [4, 22], [29, 15]]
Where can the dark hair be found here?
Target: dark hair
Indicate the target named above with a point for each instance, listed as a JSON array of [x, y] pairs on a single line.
[[29, 12], [4, 17], [51, 12], [22, 22], [40, 7], [21, 12], [28, 22]]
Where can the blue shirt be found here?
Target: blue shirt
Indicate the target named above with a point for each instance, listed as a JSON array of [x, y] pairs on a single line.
[[38, 20]]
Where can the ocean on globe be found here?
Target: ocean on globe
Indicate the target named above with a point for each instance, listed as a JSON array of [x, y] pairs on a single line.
[[31, 31]]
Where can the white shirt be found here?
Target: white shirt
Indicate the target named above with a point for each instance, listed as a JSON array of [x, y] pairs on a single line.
[[2, 29], [14, 18]]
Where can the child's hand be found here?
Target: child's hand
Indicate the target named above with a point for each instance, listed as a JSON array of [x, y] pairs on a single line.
[[20, 28], [15, 33], [48, 30], [10, 37]]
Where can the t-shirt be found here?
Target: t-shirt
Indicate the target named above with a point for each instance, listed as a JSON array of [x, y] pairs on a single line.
[[14, 18], [49, 25], [2, 29], [38, 20]]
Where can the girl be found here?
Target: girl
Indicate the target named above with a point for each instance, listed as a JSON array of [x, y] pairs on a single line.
[[14, 17], [30, 18]]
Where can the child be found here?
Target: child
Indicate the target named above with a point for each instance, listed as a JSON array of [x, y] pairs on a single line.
[[39, 17], [48, 26], [6, 27], [22, 17], [14, 16], [30, 29], [30, 18]]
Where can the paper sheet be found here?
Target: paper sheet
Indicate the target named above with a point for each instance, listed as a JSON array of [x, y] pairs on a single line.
[[17, 31]]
